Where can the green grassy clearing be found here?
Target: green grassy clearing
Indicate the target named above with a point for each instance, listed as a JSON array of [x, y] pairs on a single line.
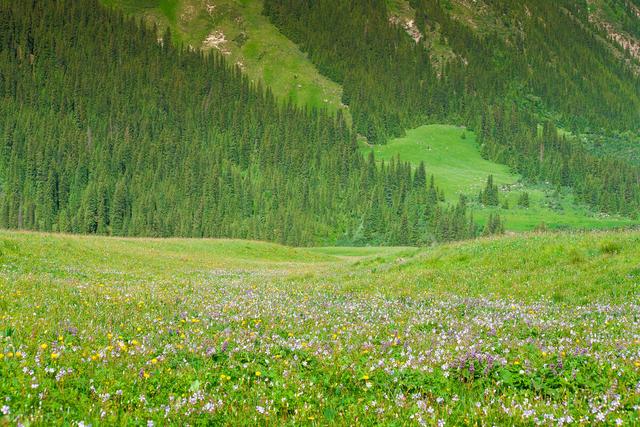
[[451, 154], [456, 162]]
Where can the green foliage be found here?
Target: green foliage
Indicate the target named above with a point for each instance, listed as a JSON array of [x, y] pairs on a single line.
[[164, 141], [123, 331], [353, 43], [493, 226], [487, 85], [607, 183], [247, 38], [490, 195], [523, 200], [460, 169]]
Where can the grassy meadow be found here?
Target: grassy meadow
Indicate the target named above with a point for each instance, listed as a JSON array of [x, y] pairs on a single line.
[[451, 154], [537, 329]]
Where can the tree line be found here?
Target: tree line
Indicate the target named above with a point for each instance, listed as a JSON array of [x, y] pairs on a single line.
[[543, 63], [106, 129]]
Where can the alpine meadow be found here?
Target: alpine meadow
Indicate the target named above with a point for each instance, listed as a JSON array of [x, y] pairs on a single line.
[[319, 212]]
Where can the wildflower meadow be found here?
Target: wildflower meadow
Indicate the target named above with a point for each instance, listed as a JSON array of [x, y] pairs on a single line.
[[542, 330]]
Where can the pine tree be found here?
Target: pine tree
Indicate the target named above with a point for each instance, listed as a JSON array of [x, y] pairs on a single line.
[[523, 200], [490, 195]]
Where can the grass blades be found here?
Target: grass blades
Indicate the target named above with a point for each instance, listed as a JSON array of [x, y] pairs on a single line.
[[538, 329]]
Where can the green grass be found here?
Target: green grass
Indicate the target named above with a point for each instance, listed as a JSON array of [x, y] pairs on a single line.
[[169, 8], [252, 42], [401, 9], [567, 268], [111, 331], [452, 155], [54, 252], [456, 162]]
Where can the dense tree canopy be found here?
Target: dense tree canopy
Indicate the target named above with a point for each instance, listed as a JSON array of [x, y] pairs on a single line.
[[543, 63], [106, 129]]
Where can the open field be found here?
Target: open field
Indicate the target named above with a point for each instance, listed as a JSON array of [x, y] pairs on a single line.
[[454, 160], [451, 154], [535, 329]]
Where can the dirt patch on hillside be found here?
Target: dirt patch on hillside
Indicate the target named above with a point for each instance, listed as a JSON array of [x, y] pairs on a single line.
[[216, 40], [409, 26]]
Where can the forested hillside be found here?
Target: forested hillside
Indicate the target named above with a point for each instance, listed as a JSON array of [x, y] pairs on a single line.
[[111, 125], [106, 130], [537, 48], [239, 31], [538, 62]]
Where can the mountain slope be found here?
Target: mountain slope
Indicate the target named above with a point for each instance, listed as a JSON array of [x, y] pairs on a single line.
[[246, 38], [504, 81], [620, 19], [161, 139], [451, 153], [158, 140], [384, 105]]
